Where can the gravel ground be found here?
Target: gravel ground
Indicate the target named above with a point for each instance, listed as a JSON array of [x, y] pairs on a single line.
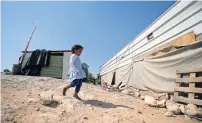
[[20, 103]]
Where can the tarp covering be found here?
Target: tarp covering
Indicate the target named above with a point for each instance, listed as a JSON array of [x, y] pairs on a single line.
[[107, 78], [158, 73]]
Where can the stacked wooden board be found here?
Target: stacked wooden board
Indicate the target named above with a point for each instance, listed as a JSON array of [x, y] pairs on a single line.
[[189, 86]]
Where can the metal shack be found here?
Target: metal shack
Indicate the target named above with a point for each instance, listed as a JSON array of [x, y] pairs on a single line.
[[173, 41], [58, 64]]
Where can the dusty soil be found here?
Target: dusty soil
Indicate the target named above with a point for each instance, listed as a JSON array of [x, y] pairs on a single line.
[[20, 97]]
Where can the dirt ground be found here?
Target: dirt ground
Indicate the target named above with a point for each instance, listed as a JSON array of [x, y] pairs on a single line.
[[20, 97]]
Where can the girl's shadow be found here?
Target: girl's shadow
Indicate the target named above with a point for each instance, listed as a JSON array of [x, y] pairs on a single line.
[[102, 104]]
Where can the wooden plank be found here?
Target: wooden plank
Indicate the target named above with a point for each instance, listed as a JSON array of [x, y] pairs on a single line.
[[184, 39], [178, 75], [192, 75], [197, 79], [192, 87], [193, 70], [187, 100], [175, 95], [188, 89], [191, 95]]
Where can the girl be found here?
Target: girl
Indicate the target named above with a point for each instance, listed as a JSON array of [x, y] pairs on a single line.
[[76, 73]]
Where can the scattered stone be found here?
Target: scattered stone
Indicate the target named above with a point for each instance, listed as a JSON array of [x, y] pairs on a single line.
[[169, 103], [163, 96], [91, 108], [169, 114], [142, 97], [151, 101], [161, 103], [143, 121], [139, 111], [9, 117], [29, 100], [192, 109], [182, 108], [174, 109], [127, 92], [86, 118], [37, 109], [9, 111], [13, 95], [137, 94], [46, 97]]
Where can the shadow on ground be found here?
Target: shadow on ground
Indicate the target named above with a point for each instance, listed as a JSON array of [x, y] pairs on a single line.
[[102, 104], [53, 104]]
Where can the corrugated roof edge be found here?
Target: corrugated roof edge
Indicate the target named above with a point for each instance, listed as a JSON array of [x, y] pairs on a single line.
[[145, 29], [51, 51]]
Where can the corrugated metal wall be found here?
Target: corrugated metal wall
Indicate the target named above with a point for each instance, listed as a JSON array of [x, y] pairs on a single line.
[[55, 67], [181, 18]]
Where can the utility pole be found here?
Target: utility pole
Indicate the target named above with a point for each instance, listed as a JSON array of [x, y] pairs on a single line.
[[25, 51]]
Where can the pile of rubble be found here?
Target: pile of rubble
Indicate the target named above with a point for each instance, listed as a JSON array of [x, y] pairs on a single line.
[[162, 100]]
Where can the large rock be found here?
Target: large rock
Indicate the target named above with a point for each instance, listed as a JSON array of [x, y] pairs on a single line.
[[46, 97], [192, 109], [182, 108], [169, 103], [163, 96], [151, 101], [161, 103], [175, 109]]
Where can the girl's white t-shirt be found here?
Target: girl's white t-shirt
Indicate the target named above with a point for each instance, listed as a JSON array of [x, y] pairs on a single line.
[[75, 71]]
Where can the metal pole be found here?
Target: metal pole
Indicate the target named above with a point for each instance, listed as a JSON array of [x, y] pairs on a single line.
[[25, 51]]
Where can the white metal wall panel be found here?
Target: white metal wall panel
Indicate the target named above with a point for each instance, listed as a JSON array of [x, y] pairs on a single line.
[[66, 57], [181, 18]]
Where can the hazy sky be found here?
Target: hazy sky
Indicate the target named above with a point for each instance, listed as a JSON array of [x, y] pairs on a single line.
[[103, 28]]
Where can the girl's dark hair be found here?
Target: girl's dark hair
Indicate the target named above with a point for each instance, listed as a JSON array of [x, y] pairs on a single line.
[[76, 47]]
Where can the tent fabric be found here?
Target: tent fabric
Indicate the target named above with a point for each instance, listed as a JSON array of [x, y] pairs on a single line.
[[107, 78], [158, 73]]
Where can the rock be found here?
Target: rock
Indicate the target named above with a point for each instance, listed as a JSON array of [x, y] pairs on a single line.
[[37, 109], [161, 103], [142, 97], [169, 114], [192, 109], [163, 96], [9, 117], [46, 97], [137, 94], [182, 108], [29, 100], [86, 118], [9, 111], [169, 103], [174, 109], [128, 92], [143, 121], [139, 111], [91, 108], [151, 101]]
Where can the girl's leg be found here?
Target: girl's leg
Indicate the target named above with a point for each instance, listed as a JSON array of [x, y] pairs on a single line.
[[77, 89], [65, 89]]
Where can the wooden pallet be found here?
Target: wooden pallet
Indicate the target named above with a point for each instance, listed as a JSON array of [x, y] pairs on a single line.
[[189, 86]]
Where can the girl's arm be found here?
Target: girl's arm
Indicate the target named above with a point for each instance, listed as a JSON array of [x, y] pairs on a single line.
[[72, 60]]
